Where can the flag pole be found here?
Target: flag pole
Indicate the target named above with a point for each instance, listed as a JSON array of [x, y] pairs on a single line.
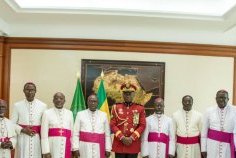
[[102, 74], [78, 75]]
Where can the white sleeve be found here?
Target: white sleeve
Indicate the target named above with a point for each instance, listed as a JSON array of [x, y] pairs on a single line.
[[75, 139], [235, 134], [204, 131], [107, 135], [200, 123], [15, 119], [235, 130], [71, 127], [174, 124], [144, 139], [172, 138], [14, 135], [44, 134]]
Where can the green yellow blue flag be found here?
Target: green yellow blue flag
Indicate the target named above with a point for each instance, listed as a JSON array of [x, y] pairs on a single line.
[[78, 103], [102, 99]]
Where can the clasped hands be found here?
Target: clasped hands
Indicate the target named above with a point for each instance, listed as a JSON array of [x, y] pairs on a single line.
[[169, 156], [48, 155], [76, 154], [6, 145], [28, 131], [127, 141], [204, 154]]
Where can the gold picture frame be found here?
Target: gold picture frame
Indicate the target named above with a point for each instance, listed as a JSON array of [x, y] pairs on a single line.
[[149, 77]]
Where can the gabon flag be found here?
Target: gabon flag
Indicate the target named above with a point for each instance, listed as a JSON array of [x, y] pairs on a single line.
[[102, 99]]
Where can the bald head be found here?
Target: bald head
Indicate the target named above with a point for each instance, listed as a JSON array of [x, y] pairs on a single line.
[[59, 100], [222, 98], [92, 102], [159, 100], [159, 105]]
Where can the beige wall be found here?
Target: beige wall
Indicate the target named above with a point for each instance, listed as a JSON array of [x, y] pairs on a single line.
[[55, 70]]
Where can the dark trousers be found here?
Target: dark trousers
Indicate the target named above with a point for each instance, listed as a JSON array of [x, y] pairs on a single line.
[[119, 155]]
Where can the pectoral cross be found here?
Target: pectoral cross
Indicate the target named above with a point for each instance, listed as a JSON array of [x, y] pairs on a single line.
[[61, 132]]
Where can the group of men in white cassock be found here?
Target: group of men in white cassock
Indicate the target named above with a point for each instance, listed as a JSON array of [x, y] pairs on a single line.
[[34, 130], [210, 136], [49, 132]]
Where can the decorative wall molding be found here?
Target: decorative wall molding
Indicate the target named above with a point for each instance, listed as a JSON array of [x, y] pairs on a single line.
[[8, 43], [122, 45]]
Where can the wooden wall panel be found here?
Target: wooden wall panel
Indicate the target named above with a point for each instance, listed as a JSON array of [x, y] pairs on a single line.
[[6, 71], [1, 74], [234, 89], [1, 65], [119, 45]]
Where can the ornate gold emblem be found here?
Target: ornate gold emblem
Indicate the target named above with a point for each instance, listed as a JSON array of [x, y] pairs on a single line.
[[131, 130], [136, 118], [112, 82]]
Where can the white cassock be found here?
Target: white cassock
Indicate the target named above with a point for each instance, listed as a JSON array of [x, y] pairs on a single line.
[[91, 123], [7, 130], [158, 124], [28, 114], [188, 124], [219, 120], [57, 120]]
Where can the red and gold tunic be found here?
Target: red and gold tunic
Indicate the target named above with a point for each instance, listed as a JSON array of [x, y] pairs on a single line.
[[127, 121]]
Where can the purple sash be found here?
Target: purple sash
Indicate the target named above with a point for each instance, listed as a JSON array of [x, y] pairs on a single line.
[[188, 140], [94, 138], [225, 137], [55, 132], [36, 129], [160, 137]]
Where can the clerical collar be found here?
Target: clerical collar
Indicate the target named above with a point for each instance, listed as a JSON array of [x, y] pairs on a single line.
[[29, 102], [187, 111], [59, 110], [159, 115], [223, 107], [128, 104], [92, 111]]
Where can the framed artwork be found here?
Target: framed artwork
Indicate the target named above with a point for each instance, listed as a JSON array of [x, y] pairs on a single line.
[[148, 77]]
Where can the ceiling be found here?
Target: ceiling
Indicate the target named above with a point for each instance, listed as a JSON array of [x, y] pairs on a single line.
[[191, 21], [176, 8]]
